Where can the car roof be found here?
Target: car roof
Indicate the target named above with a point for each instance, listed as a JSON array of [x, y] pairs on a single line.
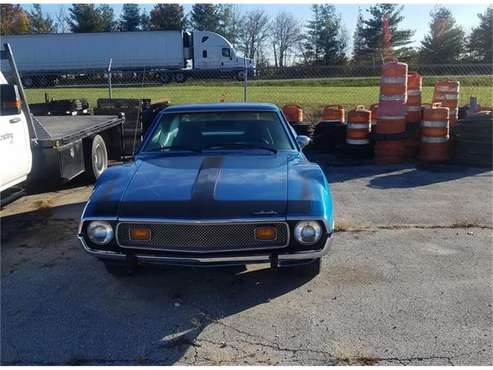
[[214, 107]]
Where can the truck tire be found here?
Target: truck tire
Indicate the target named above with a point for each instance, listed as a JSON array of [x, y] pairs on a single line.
[[240, 75], [96, 157], [165, 78], [180, 77]]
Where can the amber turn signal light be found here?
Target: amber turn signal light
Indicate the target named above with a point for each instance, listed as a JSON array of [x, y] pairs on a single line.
[[140, 233], [265, 233]]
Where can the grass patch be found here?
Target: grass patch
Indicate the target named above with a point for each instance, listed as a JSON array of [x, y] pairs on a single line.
[[312, 95]]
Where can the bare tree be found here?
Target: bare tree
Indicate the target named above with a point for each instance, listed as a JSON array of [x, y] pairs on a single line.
[[253, 33], [61, 20], [285, 34]]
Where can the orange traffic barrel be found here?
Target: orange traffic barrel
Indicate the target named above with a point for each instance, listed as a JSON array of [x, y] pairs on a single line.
[[435, 135], [447, 93], [358, 126], [391, 124], [413, 104], [333, 113], [293, 113], [395, 69], [390, 151]]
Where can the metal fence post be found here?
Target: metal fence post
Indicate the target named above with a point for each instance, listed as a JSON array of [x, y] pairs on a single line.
[[245, 79], [110, 90]]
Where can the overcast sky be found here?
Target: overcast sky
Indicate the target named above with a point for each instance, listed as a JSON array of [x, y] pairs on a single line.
[[416, 15]]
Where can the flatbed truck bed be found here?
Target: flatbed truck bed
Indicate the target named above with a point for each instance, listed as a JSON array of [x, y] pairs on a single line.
[[56, 131]]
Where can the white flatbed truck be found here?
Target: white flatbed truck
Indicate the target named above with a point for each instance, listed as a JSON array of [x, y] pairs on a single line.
[[48, 150]]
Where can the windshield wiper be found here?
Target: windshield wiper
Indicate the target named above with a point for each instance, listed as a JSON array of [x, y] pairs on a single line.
[[177, 147], [240, 145]]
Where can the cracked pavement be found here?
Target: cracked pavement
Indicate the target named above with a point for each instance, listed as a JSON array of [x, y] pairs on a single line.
[[408, 282]]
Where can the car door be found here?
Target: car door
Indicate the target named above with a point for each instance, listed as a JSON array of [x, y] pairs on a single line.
[[15, 149]]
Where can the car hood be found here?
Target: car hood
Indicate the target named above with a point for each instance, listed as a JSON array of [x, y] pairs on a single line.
[[207, 187]]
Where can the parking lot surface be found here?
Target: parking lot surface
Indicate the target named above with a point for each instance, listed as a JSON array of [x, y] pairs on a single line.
[[408, 282]]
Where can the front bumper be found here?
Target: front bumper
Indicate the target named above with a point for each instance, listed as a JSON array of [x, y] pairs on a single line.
[[273, 258]]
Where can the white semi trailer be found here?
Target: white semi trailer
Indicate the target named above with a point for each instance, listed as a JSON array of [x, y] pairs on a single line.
[[171, 55]]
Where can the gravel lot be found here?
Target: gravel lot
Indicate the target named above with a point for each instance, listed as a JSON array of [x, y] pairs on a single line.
[[408, 282]]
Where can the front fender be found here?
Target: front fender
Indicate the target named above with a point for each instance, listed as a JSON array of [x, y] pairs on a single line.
[[309, 195], [108, 192]]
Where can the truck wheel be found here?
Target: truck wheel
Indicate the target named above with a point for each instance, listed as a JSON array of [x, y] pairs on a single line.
[[96, 157], [165, 78], [240, 75], [180, 77]]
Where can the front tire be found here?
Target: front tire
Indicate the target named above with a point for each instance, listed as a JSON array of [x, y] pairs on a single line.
[[96, 157]]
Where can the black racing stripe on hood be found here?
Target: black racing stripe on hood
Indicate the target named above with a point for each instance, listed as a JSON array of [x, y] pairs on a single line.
[[205, 183]]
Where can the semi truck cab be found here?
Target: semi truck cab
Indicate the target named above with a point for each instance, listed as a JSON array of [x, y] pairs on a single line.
[[213, 51]]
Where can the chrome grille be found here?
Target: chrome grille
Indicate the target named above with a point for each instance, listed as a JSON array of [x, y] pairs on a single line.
[[218, 237]]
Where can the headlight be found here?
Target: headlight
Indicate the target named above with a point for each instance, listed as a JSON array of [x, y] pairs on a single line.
[[100, 232], [307, 232]]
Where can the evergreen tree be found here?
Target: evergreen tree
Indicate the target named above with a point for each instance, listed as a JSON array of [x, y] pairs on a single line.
[[38, 22], [205, 17], [85, 18], [130, 19], [372, 32], [13, 20], [229, 22], [145, 22], [445, 42], [326, 41], [107, 17], [358, 38], [480, 45], [167, 17]]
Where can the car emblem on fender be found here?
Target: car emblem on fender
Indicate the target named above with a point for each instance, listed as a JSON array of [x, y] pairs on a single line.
[[265, 212]]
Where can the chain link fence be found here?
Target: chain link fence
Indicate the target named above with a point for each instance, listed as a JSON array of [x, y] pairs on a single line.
[[311, 87]]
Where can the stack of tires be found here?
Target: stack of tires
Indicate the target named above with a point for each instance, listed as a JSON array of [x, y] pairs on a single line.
[[435, 135], [132, 129], [447, 93], [413, 113], [358, 133], [390, 132], [330, 132], [473, 141], [70, 107], [294, 115]]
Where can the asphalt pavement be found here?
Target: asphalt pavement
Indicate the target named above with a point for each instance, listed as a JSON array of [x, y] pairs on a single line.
[[408, 282]]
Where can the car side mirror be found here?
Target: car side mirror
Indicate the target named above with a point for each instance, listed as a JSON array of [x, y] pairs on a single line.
[[303, 140], [10, 100]]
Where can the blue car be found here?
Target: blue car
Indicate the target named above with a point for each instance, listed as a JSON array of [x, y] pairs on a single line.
[[212, 185]]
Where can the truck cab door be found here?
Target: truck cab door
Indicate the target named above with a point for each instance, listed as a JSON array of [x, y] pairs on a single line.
[[15, 143], [227, 58]]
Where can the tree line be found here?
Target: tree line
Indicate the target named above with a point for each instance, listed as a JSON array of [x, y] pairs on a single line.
[[283, 39]]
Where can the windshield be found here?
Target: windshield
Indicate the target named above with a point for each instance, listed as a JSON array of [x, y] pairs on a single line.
[[204, 131]]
